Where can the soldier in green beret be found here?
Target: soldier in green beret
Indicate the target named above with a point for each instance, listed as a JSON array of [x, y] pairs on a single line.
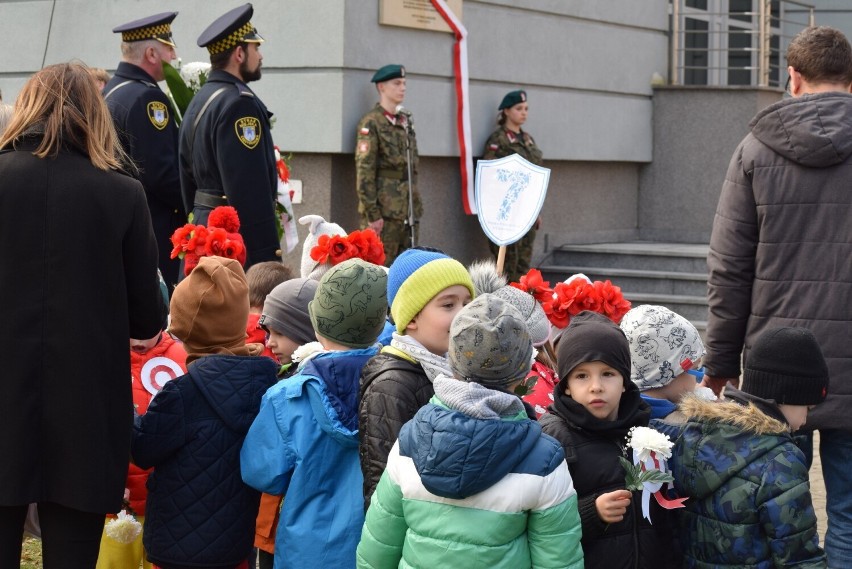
[[509, 138], [385, 159]]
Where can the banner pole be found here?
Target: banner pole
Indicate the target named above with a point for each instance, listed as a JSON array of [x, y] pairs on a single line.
[[501, 259]]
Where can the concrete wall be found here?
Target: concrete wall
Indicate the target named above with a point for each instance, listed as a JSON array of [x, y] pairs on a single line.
[[696, 130]]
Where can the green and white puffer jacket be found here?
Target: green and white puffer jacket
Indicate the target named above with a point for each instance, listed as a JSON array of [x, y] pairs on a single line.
[[472, 482]]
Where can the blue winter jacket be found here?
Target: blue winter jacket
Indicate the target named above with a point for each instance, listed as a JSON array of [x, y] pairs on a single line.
[[199, 511], [304, 444]]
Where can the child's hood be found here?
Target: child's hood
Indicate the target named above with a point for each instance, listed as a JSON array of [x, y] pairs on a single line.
[[340, 374], [458, 456], [233, 386], [719, 440]]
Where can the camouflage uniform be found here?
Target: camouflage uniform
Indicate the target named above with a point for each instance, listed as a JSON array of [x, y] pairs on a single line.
[[503, 142], [749, 501], [382, 177]]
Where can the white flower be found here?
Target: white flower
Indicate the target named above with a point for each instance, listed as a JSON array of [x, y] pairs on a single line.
[[645, 440], [191, 73], [705, 393], [124, 528], [306, 351]]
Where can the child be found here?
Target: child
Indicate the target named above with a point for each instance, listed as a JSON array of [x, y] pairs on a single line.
[[472, 481], [286, 321], [538, 387], [304, 441], [262, 278], [749, 500], [665, 356], [152, 364], [285, 318], [595, 406], [426, 289], [199, 511]]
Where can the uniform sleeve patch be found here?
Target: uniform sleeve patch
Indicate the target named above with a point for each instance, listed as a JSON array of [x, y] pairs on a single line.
[[493, 147], [158, 113], [248, 131], [363, 147], [364, 131]]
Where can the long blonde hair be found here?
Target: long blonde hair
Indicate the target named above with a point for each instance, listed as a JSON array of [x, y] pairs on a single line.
[[62, 104]]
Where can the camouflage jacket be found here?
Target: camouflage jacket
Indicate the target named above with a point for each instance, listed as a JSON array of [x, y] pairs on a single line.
[[380, 166], [503, 142], [749, 499]]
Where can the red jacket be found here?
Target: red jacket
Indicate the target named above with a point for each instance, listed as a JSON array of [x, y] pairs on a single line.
[[148, 373], [542, 394]]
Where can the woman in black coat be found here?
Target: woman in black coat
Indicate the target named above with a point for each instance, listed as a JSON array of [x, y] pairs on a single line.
[[77, 280]]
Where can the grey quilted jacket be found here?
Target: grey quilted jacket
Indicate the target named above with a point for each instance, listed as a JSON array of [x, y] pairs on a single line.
[[781, 247]]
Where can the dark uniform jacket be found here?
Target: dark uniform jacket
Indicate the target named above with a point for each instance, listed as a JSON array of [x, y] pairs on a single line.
[[393, 389], [781, 244], [230, 153], [143, 118], [592, 449], [381, 166], [200, 512], [78, 278]]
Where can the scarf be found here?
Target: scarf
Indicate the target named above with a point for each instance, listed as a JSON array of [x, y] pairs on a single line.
[[477, 401], [433, 364]]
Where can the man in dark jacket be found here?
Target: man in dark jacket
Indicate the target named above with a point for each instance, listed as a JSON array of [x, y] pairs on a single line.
[[143, 118], [781, 244], [226, 152]]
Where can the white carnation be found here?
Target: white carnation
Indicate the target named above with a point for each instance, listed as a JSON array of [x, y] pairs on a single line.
[[124, 528], [645, 440]]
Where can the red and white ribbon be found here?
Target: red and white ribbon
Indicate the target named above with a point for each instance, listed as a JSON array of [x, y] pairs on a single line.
[[462, 103]]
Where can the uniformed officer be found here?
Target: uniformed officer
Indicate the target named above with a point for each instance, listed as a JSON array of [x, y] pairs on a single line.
[[385, 143], [226, 151], [509, 138], [143, 118]]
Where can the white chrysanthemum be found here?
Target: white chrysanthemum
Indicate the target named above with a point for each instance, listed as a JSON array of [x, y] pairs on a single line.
[[191, 73], [705, 393], [645, 440], [124, 528], [306, 351]]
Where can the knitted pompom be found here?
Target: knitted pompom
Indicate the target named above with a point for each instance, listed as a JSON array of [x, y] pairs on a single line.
[[485, 277]]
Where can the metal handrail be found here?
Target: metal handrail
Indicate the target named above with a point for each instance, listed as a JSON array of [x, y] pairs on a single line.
[[758, 28]]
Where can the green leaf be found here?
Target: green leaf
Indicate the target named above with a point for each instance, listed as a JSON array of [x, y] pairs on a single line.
[[181, 94], [655, 477]]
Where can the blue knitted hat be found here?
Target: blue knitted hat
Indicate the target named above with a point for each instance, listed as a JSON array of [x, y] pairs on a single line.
[[415, 277]]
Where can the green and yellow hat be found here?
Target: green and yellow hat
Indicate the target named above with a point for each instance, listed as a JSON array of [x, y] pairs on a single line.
[[157, 27], [229, 30]]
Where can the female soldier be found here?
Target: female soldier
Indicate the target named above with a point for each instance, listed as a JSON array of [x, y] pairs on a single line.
[[509, 138]]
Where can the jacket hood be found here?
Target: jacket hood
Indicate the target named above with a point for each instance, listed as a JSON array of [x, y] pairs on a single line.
[[458, 456], [233, 386], [340, 373], [812, 130], [720, 439]]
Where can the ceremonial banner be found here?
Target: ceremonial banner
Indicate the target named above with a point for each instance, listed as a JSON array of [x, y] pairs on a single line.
[[509, 194], [462, 102]]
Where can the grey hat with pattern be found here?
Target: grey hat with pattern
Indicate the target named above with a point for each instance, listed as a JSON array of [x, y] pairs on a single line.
[[663, 345], [490, 343]]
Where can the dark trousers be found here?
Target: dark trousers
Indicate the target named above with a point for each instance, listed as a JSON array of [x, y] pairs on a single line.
[[70, 538]]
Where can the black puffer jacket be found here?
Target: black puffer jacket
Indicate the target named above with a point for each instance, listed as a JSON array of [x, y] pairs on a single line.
[[393, 389], [592, 449], [782, 240]]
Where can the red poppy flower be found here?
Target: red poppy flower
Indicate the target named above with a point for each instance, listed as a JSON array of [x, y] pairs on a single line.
[[225, 217], [534, 283], [613, 305]]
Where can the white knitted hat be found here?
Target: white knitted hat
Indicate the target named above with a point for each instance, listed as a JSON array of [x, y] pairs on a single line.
[[317, 226], [663, 345]]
